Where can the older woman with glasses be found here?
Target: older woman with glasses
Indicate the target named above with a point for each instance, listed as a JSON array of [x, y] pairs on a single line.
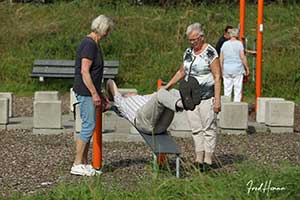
[[87, 86], [205, 67]]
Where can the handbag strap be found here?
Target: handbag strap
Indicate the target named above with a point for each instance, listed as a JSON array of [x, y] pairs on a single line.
[[194, 58]]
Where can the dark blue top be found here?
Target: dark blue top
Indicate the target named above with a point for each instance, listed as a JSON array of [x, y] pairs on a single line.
[[220, 43], [89, 49]]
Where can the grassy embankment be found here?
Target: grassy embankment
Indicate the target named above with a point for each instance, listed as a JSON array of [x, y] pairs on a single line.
[[148, 42]]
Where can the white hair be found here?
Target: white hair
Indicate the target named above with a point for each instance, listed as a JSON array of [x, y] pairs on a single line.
[[234, 32], [194, 27], [102, 24]]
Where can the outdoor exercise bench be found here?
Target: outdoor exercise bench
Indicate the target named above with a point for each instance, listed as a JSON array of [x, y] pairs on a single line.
[[162, 144], [66, 69]]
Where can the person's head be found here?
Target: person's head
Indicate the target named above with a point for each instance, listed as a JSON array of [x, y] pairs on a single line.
[[226, 31], [234, 32], [102, 26], [195, 35]]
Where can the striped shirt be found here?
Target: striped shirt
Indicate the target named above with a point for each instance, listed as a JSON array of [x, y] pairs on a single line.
[[129, 106]]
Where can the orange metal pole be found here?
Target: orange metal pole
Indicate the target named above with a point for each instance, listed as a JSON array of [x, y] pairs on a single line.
[[161, 158], [97, 140], [242, 27], [259, 31], [242, 19], [159, 83]]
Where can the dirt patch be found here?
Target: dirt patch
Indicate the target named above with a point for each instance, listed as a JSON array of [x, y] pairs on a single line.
[[32, 163]]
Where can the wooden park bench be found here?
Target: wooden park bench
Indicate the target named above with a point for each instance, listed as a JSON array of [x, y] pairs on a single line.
[[66, 69]]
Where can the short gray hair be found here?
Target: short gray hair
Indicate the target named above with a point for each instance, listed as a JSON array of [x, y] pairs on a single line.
[[234, 32], [194, 27], [102, 24]]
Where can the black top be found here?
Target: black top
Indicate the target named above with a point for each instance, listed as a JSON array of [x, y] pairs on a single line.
[[89, 49], [220, 43]]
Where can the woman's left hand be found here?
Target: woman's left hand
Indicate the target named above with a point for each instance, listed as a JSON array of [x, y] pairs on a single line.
[[217, 107], [247, 71]]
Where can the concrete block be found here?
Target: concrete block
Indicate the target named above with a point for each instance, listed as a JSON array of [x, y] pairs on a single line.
[[233, 131], [276, 129], [124, 91], [180, 122], [73, 99], [109, 121], [181, 134], [4, 111], [8, 95], [46, 96], [234, 115], [280, 113], [261, 107], [47, 114], [224, 99]]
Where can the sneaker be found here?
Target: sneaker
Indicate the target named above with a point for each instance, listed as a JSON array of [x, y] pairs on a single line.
[[93, 170], [81, 170]]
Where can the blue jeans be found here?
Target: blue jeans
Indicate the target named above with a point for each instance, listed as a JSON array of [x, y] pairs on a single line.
[[88, 116]]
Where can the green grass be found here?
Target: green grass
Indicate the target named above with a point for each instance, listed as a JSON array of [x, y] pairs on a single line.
[[222, 185], [147, 40]]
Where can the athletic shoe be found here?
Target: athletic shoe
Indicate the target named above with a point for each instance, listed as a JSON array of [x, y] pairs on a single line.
[[93, 170], [81, 170]]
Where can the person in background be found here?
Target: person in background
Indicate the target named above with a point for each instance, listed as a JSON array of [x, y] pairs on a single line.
[[223, 38], [234, 65], [87, 87], [206, 69]]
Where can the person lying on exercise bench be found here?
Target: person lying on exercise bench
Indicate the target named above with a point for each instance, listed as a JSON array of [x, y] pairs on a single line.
[[151, 114]]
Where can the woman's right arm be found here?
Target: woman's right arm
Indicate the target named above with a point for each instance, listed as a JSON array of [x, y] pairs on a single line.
[[178, 76]]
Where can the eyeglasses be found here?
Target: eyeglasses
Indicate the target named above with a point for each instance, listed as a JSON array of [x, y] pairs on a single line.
[[191, 40]]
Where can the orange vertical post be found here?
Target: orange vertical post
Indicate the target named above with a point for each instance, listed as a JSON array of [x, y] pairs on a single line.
[[242, 27], [159, 83], [242, 19], [97, 140], [161, 158], [259, 32]]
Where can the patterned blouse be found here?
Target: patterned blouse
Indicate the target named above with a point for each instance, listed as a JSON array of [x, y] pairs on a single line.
[[201, 68]]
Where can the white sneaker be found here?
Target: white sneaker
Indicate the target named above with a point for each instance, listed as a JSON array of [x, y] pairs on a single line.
[[93, 170], [81, 170]]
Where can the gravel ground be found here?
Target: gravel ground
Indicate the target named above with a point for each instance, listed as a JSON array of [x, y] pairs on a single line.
[[33, 163]]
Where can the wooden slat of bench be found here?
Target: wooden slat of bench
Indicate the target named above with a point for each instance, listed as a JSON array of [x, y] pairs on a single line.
[[161, 143], [53, 70], [70, 63], [105, 76], [64, 63], [66, 71]]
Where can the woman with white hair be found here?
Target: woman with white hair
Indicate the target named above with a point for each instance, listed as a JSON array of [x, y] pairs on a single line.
[[87, 86], [234, 65], [200, 61]]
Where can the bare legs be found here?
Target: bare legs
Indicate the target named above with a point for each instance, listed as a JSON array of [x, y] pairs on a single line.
[[112, 89], [82, 149]]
